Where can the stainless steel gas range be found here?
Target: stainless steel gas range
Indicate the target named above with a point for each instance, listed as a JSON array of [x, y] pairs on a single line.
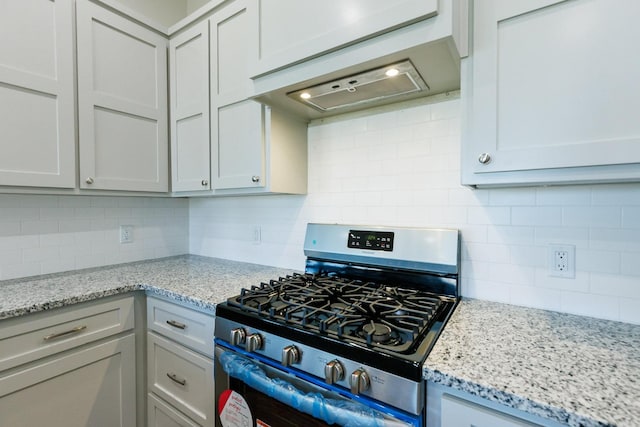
[[343, 343]]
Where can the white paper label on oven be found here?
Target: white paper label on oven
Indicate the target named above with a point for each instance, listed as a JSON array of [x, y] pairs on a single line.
[[234, 411]]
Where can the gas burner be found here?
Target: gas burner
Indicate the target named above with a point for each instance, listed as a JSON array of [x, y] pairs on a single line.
[[339, 307], [376, 332]]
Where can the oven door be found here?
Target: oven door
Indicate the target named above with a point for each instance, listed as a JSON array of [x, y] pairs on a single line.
[[254, 391]]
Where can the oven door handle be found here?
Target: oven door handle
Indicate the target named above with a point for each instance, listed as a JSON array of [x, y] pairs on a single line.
[[346, 413]]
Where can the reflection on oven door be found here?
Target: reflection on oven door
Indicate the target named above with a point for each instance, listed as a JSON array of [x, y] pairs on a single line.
[[277, 399]]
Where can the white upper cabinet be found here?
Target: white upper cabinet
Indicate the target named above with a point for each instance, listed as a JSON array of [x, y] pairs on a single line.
[[259, 150], [189, 109], [37, 147], [316, 27], [122, 103], [249, 142], [552, 93]]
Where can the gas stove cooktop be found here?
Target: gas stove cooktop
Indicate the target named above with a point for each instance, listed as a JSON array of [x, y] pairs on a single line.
[[384, 317]]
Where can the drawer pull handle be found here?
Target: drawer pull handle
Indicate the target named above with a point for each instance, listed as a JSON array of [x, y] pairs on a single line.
[[173, 377], [176, 324], [65, 333]]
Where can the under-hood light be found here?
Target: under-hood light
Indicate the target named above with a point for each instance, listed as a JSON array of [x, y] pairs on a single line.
[[391, 72], [378, 84]]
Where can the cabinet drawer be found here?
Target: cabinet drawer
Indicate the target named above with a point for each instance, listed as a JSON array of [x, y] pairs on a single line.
[[160, 414], [93, 386], [26, 339], [181, 377], [188, 327]]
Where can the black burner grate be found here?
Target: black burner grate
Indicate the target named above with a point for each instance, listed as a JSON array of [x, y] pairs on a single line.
[[368, 313]]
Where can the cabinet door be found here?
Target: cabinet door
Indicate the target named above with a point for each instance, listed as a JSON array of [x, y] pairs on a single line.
[[160, 414], [122, 97], [292, 30], [181, 377], [460, 413], [37, 147], [240, 146], [189, 109], [237, 143], [94, 387], [564, 98]]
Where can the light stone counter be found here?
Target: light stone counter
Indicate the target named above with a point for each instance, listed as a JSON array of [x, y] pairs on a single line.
[[575, 370], [571, 369], [199, 281]]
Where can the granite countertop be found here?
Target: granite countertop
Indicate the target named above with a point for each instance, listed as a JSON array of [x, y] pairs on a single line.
[[199, 281], [575, 370], [571, 369]]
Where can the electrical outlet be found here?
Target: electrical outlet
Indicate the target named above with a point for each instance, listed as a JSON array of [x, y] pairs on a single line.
[[562, 260], [126, 233], [257, 234]]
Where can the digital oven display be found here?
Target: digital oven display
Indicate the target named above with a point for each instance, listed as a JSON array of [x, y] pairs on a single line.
[[373, 240]]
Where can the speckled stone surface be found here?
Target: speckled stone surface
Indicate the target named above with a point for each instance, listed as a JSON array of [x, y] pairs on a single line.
[[571, 369], [199, 281]]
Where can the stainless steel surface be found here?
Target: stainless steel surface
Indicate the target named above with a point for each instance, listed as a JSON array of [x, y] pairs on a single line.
[[255, 178], [484, 158], [71, 331], [254, 342], [392, 389], [359, 381], [362, 88], [416, 249], [290, 355], [176, 324], [333, 372], [237, 336], [89, 180]]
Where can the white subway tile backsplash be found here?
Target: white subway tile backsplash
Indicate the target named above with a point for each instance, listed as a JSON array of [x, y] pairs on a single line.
[[50, 234], [595, 216], [631, 217], [536, 215], [402, 167], [629, 310]]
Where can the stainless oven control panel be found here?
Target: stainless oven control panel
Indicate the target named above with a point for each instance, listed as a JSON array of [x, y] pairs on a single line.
[[372, 240], [356, 377]]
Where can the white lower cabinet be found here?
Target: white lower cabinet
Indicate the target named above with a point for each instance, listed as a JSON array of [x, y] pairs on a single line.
[[461, 413], [68, 368], [179, 366], [161, 414]]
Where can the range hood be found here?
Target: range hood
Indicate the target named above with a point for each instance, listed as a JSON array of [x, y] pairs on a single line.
[[368, 87], [425, 54]]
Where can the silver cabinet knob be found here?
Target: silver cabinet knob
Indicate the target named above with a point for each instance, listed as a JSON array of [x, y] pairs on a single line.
[[205, 182], [484, 158], [255, 178], [238, 336], [290, 355], [254, 342], [359, 381], [89, 180], [333, 372]]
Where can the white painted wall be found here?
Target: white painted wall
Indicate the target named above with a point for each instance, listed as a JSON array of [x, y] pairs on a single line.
[[402, 168], [48, 234]]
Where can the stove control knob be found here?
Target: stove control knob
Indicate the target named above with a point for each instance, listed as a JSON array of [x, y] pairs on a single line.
[[290, 355], [238, 336], [359, 381], [333, 372], [254, 342]]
